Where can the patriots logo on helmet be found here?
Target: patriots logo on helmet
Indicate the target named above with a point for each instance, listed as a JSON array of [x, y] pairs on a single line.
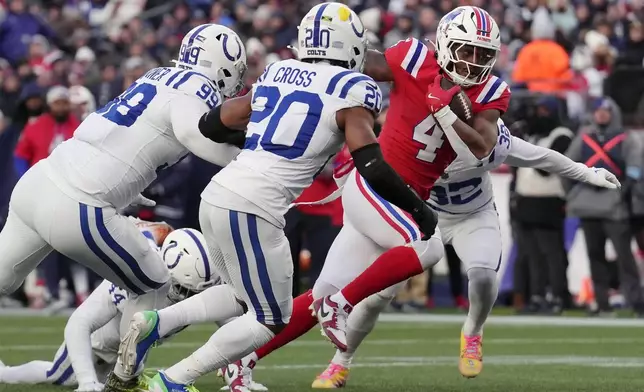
[[483, 22]]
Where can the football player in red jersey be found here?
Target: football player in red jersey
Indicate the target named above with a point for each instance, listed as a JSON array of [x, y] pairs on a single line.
[[420, 138]]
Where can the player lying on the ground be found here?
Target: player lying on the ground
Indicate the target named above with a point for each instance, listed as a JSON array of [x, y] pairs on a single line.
[[92, 332], [114, 155]]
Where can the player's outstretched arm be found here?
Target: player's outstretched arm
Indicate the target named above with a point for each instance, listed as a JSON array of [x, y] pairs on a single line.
[[377, 67], [186, 117], [357, 123], [524, 154]]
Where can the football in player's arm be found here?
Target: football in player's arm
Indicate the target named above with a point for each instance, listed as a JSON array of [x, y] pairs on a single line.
[[479, 139]]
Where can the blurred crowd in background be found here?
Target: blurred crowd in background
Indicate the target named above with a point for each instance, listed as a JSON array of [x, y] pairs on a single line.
[[576, 71]]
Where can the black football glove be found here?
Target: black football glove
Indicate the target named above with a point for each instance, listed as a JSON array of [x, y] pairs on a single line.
[[426, 219]]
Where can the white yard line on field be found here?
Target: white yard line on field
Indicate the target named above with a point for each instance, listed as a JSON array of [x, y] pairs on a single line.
[[625, 362], [374, 342], [387, 321]]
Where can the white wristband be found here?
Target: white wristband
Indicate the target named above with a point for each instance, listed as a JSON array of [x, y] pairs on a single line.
[[445, 117]]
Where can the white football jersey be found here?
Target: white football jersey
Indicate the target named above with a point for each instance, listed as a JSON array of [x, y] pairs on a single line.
[[116, 152], [292, 134], [465, 189]]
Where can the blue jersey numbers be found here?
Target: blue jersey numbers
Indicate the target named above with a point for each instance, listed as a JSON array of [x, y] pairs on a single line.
[[373, 98], [275, 108], [208, 95], [125, 109], [118, 295], [457, 193]]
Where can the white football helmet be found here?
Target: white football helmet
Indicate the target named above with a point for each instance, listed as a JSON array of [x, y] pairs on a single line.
[[333, 32], [468, 42], [216, 52], [185, 253]]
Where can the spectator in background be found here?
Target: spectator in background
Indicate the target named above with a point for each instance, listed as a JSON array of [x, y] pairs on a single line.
[[38, 140], [47, 131], [605, 214], [109, 87], [404, 29], [17, 30], [563, 16], [540, 213], [542, 64], [633, 52], [82, 101], [594, 59], [633, 186]]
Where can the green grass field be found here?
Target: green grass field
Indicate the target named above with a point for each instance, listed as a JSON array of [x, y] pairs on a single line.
[[405, 356]]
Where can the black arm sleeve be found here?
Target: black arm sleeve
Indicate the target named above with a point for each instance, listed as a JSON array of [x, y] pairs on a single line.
[[211, 127], [384, 180]]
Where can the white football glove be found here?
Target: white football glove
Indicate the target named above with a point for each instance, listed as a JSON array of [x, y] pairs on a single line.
[[143, 201], [603, 178]]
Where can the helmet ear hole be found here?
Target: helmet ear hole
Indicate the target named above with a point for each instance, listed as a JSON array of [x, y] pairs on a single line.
[[227, 73]]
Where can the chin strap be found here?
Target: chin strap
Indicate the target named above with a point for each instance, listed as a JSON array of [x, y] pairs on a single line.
[[294, 49]]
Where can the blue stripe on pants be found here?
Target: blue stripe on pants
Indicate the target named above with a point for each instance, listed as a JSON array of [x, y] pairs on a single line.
[[65, 376], [57, 363], [122, 253], [87, 235], [262, 270], [243, 266]]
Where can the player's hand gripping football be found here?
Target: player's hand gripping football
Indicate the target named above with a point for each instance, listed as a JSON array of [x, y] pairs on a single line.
[[603, 178], [426, 219], [437, 97]]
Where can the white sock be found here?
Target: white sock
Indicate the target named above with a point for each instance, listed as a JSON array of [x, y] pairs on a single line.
[[216, 304], [231, 342], [34, 372], [483, 289], [360, 323]]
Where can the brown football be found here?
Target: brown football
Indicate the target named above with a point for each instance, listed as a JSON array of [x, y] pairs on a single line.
[[461, 104]]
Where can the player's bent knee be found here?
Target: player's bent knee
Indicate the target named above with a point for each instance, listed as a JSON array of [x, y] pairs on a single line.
[[261, 332], [429, 252], [482, 276]]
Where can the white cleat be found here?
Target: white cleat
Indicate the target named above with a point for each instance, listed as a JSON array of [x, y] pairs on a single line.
[[90, 387], [333, 320], [142, 334], [239, 377]]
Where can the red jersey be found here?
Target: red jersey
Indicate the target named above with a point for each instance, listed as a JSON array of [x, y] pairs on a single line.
[[410, 142], [42, 135]]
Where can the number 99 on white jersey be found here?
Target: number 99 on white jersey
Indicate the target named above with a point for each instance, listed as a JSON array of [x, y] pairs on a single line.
[[293, 131]]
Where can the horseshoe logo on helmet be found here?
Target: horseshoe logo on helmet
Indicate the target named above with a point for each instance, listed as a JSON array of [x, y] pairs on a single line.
[[225, 45]]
